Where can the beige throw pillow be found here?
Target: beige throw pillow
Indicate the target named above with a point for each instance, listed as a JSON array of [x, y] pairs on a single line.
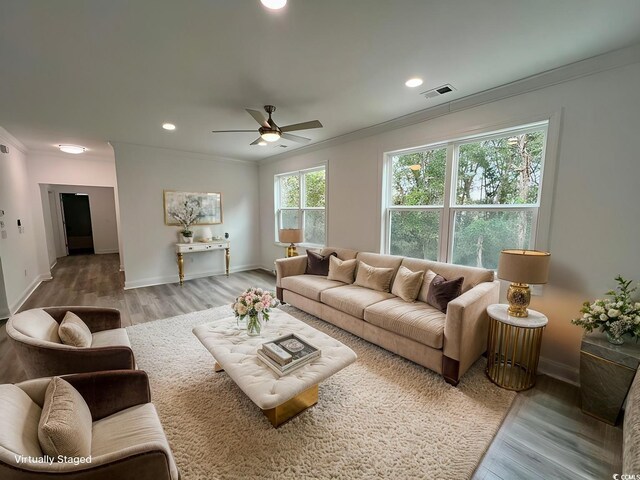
[[65, 423], [374, 278], [407, 284], [73, 331], [341, 270], [426, 283]]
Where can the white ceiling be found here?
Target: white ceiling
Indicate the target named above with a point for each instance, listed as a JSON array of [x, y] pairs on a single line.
[[91, 71]]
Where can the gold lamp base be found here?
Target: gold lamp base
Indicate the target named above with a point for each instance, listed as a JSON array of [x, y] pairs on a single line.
[[519, 297], [291, 251]]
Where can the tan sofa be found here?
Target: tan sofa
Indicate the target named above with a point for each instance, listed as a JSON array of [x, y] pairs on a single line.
[[128, 442], [445, 343], [631, 430], [34, 335]]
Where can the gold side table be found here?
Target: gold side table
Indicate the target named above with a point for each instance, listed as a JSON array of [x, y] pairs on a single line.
[[514, 347]]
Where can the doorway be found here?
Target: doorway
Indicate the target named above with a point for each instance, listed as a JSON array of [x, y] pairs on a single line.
[[76, 220]]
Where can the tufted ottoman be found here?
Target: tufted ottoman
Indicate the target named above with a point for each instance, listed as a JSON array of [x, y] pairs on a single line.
[[280, 398]]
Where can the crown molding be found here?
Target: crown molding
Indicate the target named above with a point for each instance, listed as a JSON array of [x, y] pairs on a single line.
[[566, 73], [8, 138], [187, 153]]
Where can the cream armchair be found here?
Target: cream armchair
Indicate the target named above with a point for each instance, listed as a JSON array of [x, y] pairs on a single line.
[[128, 442], [34, 335]]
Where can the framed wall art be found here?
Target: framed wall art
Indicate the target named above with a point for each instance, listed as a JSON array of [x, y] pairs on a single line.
[[209, 206]]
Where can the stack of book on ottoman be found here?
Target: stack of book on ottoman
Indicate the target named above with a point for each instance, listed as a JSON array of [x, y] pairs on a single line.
[[286, 354]]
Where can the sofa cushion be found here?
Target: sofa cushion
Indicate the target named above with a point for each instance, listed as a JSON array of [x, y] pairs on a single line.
[[309, 286], [19, 417], [73, 331], [318, 264], [133, 428], [472, 275], [374, 278], [352, 299], [111, 338], [417, 321], [65, 424], [341, 270], [442, 291], [37, 324], [407, 284]]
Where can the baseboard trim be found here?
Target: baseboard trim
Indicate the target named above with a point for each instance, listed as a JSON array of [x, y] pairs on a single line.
[[106, 252], [272, 271], [559, 371], [28, 291], [149, 282]]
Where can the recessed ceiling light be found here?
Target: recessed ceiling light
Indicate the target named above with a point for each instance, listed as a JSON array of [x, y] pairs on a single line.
[[413, 82], [168, 126], [274, 4], [75, 149], [262, 143]]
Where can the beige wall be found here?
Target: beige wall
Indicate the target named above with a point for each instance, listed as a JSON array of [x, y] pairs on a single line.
[[593, 222]]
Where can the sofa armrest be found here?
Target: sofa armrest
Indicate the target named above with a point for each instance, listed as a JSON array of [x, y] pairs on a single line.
[[96, 318], [466, 325], [109, 392], [288, 267]]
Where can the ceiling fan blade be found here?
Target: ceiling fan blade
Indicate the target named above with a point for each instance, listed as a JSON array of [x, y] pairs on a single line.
[[256, 141], [295, 138], [233, 131], [258, 117], [301, 126]]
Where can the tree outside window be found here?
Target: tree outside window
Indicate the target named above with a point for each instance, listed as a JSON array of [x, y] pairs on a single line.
[[300, 203], [492, 202]]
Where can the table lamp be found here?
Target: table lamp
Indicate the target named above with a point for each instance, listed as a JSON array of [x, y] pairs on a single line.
[[291, 236], [521, 268]]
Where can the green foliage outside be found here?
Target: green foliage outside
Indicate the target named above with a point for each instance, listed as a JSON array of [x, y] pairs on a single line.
[[503, 171]]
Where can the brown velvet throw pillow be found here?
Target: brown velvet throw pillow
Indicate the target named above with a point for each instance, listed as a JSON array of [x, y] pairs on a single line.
[[318, 264], [442, 291]]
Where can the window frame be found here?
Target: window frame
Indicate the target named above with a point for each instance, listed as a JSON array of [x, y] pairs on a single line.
[[449, 208], [302, 207]]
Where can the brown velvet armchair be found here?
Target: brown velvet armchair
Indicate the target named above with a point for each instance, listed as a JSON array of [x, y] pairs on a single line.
[[128, 441], [34, 335]]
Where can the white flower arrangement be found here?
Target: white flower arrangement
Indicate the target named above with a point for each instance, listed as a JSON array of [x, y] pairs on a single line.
[[617, 315], [187, 214], [252, 302]]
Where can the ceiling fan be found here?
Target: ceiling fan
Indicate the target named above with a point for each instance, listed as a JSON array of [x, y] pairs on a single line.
[[270, 132]]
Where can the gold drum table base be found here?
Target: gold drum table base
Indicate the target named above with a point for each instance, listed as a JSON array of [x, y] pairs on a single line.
[[512, 355]]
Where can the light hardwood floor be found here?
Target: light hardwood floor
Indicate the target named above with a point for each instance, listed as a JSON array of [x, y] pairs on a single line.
[[545, 435]]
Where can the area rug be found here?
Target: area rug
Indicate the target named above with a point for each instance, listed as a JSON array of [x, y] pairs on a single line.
[[381, 417]]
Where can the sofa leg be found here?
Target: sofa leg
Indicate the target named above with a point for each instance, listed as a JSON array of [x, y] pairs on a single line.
[[451, 370], [279, 291]]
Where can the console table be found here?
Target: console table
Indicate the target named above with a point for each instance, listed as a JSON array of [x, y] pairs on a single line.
[[182, 248]]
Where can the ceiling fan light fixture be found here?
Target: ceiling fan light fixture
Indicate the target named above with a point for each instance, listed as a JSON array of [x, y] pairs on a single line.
[[262, 143], [74, 149], [274, 4], [270, 136]]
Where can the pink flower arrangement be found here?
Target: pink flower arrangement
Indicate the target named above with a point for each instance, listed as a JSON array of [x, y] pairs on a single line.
[[252, 302]]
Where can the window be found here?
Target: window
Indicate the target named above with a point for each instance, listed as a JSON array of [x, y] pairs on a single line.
[[464, 201], [300, 203]]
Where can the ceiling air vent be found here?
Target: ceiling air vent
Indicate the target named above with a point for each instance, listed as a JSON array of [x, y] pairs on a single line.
[[438, 91]]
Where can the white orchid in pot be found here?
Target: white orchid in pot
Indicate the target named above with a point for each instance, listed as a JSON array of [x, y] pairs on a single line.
[[187, 214]]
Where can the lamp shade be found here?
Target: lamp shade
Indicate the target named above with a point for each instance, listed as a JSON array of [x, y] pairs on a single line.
[[524, 266], [290, 235]]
